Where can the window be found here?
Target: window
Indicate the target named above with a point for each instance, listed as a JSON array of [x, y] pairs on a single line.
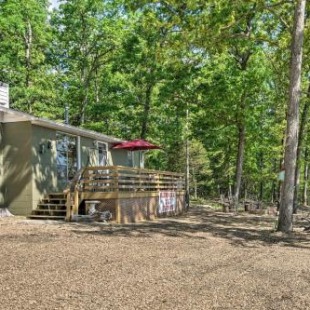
[[102, 154], [66, 158]]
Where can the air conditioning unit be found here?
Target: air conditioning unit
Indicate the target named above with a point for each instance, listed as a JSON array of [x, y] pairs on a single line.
[[4, 95]]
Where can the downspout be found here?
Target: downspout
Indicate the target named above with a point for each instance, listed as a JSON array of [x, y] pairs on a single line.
[[78, 153]]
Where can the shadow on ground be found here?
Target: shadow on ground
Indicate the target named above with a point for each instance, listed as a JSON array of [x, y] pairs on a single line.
[[201, 223]]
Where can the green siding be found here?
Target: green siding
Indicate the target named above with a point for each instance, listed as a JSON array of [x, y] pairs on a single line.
[[88, 152], [43, 162], [120, 158], [16, 182], [28, 171]]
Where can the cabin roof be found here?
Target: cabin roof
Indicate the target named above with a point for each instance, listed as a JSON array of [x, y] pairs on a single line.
[[8, 115]]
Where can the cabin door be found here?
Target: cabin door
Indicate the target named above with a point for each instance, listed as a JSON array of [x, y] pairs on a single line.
[[66, 159]]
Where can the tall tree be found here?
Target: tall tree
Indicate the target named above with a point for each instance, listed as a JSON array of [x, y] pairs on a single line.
[[301, 136], [285, 223], [24, 40], [86, 34], [242, 57]]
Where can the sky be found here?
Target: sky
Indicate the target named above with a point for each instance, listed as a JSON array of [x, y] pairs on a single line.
[[54, 3]]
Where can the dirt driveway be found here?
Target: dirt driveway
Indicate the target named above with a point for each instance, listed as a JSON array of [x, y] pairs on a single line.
[[202, 260]]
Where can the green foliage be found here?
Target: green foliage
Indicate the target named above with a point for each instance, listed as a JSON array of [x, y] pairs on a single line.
[[24, 40], [135, 68], [86, 33]]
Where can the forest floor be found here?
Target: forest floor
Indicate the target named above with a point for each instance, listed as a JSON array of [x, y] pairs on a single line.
[[200, 260]]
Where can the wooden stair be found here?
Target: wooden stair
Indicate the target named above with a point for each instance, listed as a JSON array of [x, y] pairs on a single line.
[[52, 207]]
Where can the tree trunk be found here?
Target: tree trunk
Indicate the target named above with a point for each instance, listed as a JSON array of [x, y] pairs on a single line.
[[146, 112], [229, 194], [83, 108], [306, 175], [227, 178], [239, 167], [242, 58], [28, 47], [285, 223], [273, 192], [301, 134], [241, 147], [261, 183], [187, 155], [195, 188]]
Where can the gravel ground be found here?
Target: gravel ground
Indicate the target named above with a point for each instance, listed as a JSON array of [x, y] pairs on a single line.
[[201, 260]]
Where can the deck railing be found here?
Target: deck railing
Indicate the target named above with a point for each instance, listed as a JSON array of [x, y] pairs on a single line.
[[103, 182], [119, 178]]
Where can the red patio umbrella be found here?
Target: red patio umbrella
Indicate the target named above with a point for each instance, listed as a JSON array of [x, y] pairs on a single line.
[[136, 145]]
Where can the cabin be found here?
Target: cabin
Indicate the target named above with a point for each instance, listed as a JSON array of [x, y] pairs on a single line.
[[54, 170]]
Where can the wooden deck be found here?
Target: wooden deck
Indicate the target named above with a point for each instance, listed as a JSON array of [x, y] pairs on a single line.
[[117, 184]]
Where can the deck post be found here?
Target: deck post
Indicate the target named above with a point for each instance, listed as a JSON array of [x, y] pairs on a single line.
[[68, 205], [117, 200], [75, 208]]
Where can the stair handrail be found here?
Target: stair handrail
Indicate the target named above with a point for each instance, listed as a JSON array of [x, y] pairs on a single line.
[[72, 193]]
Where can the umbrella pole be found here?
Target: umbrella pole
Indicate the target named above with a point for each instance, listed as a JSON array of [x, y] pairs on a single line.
[[142, 159]]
